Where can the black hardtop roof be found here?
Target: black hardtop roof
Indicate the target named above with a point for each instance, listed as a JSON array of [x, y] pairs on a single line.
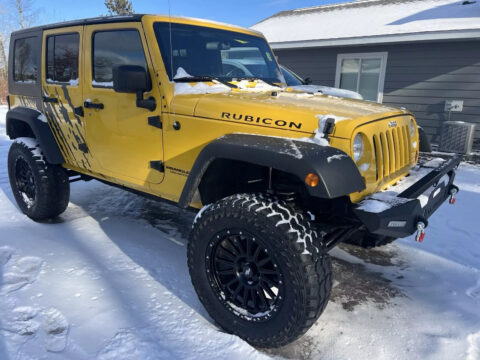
[[89, 21]]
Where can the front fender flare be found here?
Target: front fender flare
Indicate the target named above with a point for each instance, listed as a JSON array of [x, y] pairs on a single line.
[[339, 176]]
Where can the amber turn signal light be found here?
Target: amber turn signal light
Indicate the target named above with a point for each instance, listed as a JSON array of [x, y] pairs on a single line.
[[312, 179]]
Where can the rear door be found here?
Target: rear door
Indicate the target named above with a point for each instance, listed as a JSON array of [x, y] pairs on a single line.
[[62, 87], [122, 137]]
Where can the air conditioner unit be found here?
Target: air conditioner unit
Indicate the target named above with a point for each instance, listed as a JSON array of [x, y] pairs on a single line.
[[457, 137]]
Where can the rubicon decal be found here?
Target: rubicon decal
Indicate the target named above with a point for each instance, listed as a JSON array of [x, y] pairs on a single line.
[[261, 120]]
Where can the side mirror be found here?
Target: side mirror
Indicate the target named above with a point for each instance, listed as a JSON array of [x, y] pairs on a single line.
[[307, 81], [133, 79]]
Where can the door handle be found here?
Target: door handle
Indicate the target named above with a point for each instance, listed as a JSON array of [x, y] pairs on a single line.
[[48, 99], [91, 105]]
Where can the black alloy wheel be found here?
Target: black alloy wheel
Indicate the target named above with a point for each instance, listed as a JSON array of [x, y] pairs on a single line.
[[25, 180], [243, 275]]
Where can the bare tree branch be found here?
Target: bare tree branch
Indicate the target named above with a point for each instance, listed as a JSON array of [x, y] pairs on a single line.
[[20, 13]]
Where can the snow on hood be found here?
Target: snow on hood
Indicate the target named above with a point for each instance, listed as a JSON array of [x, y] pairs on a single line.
[[200, 88], [326, 90]]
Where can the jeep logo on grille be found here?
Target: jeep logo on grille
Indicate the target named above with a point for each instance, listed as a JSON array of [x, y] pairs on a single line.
[[392, 124]]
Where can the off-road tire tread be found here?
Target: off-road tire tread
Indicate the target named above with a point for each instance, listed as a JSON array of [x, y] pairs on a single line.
[[310, 269], [51, 181]]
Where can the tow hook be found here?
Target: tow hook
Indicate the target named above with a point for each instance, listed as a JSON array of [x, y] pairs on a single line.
[[452, 196], [420, 232]]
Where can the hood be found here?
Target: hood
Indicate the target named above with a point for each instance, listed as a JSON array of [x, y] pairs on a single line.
[[286, 110]]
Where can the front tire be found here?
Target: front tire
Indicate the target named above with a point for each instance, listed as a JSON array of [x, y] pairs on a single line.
[[42, 190], [259, 269]]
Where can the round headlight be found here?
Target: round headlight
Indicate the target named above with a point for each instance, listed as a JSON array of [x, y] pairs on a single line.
[[358, 147], [412, 128]]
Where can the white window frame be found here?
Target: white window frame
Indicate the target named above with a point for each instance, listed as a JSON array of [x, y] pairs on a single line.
[[373, 55]]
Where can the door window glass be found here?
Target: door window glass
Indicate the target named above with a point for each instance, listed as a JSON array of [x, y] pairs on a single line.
[[62, 58], [118, 47]]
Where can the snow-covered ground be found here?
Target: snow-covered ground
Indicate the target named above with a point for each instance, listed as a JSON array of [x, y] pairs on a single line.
[[109, 280]]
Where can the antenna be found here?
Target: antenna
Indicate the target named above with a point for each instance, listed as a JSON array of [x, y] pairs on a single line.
[[171, 55]]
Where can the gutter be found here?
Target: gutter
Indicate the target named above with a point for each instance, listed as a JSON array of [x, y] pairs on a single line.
[[472, 34]]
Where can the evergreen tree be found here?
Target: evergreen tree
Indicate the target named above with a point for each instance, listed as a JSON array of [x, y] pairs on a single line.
[[119, 7]]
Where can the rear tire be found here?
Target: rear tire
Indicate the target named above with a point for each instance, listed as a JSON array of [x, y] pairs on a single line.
[[261, 244], [42, 190]]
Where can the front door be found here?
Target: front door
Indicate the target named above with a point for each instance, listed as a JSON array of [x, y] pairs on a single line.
[[62, 93], [124, 139]]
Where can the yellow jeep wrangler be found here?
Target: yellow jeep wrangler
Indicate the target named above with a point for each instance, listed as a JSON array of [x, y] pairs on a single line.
[[197, 113]]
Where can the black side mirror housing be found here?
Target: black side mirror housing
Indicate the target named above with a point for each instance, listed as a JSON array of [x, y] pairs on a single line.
[[130, 79], [133, 79], [307, 81]]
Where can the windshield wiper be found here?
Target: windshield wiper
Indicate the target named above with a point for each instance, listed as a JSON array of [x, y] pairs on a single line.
[[203, 78], [252, 78]]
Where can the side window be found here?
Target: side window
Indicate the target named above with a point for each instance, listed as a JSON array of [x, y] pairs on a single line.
[[116, 47], [25, 69], [62, 58]]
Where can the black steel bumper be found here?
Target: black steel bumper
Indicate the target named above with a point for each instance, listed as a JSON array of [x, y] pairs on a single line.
[[406, 210]]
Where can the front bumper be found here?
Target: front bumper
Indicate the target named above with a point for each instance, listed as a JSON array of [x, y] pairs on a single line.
[[396, 211]]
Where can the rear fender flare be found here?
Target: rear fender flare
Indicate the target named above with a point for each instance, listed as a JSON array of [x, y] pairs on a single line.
[[35, 120]]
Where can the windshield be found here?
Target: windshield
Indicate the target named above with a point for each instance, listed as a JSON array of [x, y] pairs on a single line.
[[290, 77], [198, 51]]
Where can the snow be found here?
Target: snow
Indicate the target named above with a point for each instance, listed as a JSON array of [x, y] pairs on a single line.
[[364, 167], [217, 87], [102, 83], [322, 120], [336, 157], [257, 85], [319, 135], [32, 144], [200, 88], [181, 73], [391, 18], [200, 213], [42, 118], [318, 138], [26, 81], [326, 90], [71, 82], [381, 201], [434, 163], [384, 200], [108, 280]]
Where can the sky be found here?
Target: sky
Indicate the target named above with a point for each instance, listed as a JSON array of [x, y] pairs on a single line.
[[239, 12]]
